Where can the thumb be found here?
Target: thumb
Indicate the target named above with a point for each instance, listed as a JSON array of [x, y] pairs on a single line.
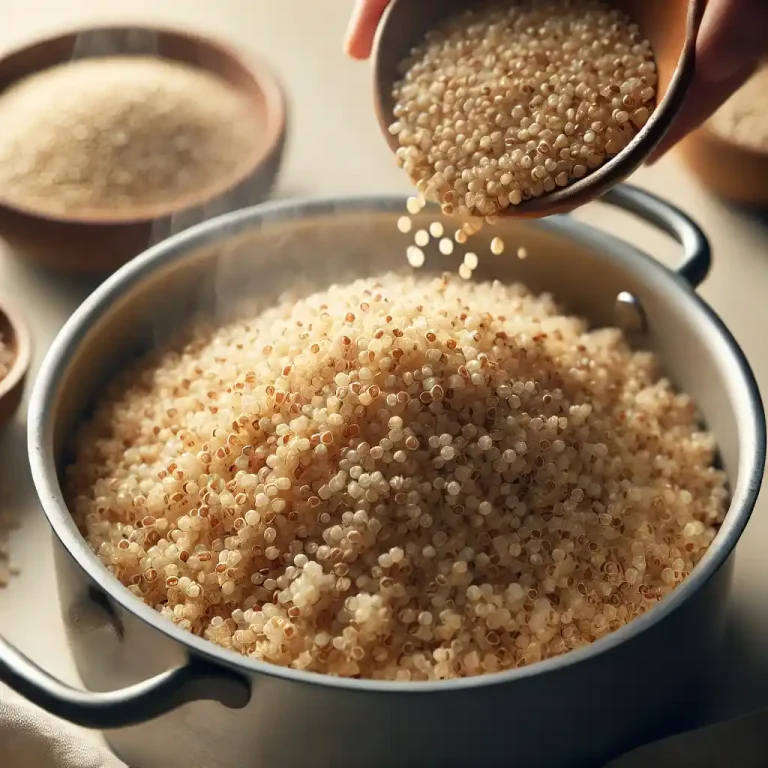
[[362, 27]]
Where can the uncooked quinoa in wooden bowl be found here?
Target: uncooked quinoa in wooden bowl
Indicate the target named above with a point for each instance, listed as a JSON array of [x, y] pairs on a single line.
[[104, 153]]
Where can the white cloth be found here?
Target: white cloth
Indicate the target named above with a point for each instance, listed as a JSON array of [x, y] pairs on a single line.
[[30, 738]]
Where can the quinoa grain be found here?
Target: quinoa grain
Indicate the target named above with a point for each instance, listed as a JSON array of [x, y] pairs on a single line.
[[404, 478], [506, 103]]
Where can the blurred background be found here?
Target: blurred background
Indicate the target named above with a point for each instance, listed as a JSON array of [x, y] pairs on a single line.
[[334, 147]]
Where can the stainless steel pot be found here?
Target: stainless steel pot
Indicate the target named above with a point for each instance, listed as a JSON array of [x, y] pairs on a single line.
[[163, 689]]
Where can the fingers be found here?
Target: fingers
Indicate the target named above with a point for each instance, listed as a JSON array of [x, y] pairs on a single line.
[[362, 27], [732, 35], [730, 44]]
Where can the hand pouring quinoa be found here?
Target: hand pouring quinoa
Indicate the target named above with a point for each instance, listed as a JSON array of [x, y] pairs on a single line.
[[403, 478]]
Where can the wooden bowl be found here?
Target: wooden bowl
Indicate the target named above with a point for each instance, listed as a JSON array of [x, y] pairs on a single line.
[[729, 170], [14, 333], [671, 27], [98, 243]]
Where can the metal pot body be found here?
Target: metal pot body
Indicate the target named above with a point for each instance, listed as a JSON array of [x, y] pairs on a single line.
[[582, 715], [581, 709]]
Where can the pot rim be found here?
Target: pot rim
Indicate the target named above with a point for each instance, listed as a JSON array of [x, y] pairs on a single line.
[[43, 403]]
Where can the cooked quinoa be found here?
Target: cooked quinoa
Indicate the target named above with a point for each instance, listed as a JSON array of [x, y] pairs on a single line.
[[515, 100], [403, 478]]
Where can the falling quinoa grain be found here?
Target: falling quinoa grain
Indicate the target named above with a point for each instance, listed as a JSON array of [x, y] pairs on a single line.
[[414, 205], [405, 224], [471, 260], [415, 256], [436, 229], [421, 238]]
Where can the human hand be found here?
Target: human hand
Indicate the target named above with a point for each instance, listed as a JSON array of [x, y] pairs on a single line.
[[362, 27], [731, 42]]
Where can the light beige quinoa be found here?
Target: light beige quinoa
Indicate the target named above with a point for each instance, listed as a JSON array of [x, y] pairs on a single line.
[[743, 119], [513, 101], [124, 133], [7, 358], [404, 478]]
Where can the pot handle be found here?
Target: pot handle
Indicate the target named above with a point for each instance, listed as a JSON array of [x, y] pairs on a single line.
[[195, 681], [698, 257]]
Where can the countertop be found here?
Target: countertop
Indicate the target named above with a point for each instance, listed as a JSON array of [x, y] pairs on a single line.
[[335, 148]]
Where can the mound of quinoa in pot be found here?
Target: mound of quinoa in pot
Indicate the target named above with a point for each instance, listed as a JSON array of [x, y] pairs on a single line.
[[403, 478]]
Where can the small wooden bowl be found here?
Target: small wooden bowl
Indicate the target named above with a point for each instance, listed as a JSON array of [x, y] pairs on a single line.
[[14, 333], [671, 27], [729, 170], [99, 243]]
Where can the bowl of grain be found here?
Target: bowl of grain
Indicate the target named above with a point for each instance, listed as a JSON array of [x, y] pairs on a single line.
[[729, 153], [368, 506], [113, 138], [532, 107], [15, 357]]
